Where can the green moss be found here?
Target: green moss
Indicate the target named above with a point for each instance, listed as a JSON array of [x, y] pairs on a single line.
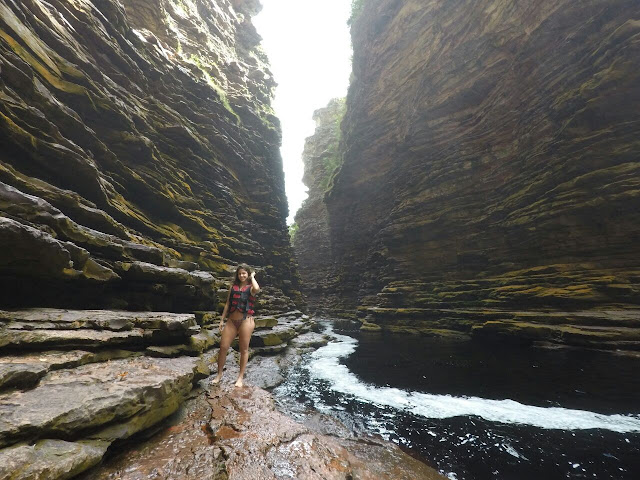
[[333, 161], [356, 9], [293, 229], [271, 340], [370, 327], [204, 68], [51, 78]]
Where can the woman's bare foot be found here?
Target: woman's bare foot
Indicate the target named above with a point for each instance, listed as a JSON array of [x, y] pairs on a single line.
[[239, 383], [216, 380]]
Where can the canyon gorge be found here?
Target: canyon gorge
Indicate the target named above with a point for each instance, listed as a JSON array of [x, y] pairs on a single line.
[[139, 164], [479, 181], [483, 178]]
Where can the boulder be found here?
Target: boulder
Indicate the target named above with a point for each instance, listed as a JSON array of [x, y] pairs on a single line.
[[49, 459], [67, 403], [24, 371], [310, 340], [51, 318]]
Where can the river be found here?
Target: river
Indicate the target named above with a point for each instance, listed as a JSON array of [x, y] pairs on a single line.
[[478, 411]]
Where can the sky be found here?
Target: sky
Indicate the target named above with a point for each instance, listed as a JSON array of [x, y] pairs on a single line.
[[309, 49]]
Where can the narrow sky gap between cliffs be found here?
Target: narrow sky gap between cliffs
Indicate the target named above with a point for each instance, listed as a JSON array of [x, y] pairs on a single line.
[[326, 366], [309, 49]]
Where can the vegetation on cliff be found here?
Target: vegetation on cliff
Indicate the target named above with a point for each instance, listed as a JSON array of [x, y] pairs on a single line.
[[322, 158]]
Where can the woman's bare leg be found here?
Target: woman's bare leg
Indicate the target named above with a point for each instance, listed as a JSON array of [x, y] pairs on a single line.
[[229, 332], [246, 329]]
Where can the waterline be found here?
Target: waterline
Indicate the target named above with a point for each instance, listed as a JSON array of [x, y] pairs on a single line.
[[325, 366]]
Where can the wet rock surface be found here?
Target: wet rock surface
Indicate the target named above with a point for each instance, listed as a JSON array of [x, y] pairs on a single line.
[[66, 403], [237, 433], [61, 410]]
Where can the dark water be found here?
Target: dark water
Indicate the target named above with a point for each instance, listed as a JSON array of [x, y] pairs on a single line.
[[476, 411]]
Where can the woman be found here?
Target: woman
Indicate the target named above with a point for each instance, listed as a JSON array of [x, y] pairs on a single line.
[[239, 308]]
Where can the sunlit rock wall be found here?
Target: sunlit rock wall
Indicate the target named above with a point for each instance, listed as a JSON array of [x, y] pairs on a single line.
[[311, 244], [139, 155], [491, 159]]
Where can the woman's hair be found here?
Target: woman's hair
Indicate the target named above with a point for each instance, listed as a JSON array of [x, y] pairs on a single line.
[[242, 266], [235, 281]]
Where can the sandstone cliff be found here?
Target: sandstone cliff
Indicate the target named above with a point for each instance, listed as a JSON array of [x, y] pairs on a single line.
[[491, 167], [311, 244], [139, 162], [139, 155]]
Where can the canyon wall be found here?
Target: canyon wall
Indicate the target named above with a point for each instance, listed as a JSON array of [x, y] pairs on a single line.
[[490, 168], [139, 155], [139, 163], [311, 243]]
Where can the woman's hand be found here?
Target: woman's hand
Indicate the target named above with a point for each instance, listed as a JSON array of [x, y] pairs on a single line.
[[221, 323], [255, 288]]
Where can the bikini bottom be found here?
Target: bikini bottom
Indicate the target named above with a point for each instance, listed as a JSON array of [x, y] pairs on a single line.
[[237, 322]]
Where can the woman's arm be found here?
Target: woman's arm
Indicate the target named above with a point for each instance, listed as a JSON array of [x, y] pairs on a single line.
[[255, 288]]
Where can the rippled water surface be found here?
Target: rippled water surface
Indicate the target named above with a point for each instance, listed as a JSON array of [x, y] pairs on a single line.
[[478, 411]]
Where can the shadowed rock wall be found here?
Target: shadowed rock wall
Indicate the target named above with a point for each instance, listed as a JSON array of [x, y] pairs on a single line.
[[311, 243], [139, 155], [490, 160]]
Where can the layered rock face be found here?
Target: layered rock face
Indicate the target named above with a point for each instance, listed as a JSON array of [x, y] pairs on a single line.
[[311, 243], [490, 164], [138, 155], [73, 383]]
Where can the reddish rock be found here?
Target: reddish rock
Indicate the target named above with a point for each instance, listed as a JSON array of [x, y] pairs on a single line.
[[238, 434]]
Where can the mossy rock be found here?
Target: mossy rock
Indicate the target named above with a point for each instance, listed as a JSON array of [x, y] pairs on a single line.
[[167, 351], [267, 340], [205, 318], [370, 327], [266, 322]]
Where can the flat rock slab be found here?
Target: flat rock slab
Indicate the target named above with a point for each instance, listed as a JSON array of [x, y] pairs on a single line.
[[310, 339], [204, 340], [265, 322], [286, 329], [148, 272], [272, 350], [264, 372], [117, 320], [626, 338], [56, 328], [46, 339], [67, 403], [237, 434], [24, 371], [49, 459]]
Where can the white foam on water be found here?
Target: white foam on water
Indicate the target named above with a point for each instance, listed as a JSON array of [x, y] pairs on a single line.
[[325, 366]]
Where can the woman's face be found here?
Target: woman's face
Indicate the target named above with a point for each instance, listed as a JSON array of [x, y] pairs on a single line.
[[243, 275]]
